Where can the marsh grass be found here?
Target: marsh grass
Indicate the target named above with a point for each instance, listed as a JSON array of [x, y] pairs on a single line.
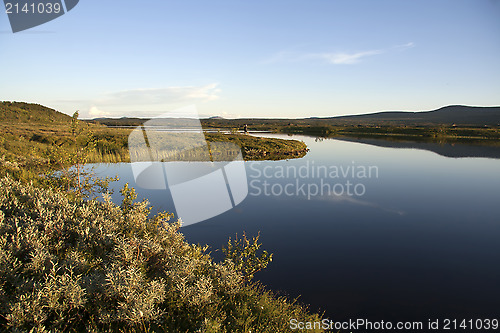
[[110, 145]]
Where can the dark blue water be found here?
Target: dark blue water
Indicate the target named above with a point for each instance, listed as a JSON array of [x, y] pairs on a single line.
[[419, 240]]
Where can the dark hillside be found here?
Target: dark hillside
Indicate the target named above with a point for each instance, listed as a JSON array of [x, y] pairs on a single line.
[[460, 115], [20, 112], [453, 114]]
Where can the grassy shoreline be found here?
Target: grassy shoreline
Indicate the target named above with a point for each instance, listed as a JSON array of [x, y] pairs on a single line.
[[72, 263], [111, 144], [36, 144]]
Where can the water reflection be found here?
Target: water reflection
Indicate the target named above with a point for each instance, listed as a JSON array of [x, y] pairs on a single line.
[[420, 243], [477, 148]]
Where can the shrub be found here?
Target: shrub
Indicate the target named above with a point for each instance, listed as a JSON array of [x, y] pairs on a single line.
[[68, 264]]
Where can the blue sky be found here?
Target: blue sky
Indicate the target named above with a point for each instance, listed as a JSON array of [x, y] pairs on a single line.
[[256, 58]]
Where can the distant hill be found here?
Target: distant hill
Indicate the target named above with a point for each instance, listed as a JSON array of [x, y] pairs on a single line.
[[453, 114], [20, 112], [448, 115]]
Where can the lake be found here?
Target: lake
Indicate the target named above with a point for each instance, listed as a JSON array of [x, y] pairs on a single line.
[[415, 236]]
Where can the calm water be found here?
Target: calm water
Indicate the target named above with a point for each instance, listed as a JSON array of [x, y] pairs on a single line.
[[420, 238]]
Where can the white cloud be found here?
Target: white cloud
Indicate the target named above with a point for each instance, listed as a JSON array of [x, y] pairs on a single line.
[[335, 58], [143, 102], [346, 58], [95, 112], [405, 46], [168, 95]]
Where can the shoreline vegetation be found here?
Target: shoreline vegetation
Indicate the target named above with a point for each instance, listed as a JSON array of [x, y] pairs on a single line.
[[33, 135], [434, 134], [72, 263], [35, 132], [451, 124]]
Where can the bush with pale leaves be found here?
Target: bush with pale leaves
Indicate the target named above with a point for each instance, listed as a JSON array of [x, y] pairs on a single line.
[[68, 264]]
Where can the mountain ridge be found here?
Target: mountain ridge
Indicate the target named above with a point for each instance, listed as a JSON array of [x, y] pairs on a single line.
[[22, 112], [451, 114], [446, 115]]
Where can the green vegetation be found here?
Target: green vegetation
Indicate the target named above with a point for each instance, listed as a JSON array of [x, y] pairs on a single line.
[[20, 112], [257, 148], [441, 133], [450, 124], [36, 136], [42, 137], [68, 264]]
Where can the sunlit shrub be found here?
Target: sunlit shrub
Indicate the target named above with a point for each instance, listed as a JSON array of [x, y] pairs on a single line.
[[68, 264]]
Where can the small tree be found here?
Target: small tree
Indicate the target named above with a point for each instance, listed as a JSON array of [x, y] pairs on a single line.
[[70, 163], [75, 131]]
